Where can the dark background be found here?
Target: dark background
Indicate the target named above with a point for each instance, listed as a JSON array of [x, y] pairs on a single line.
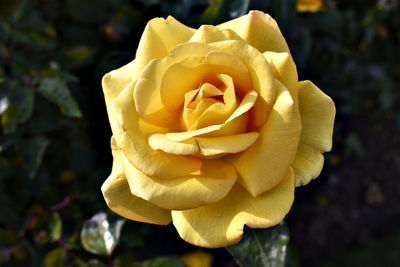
[[54, 135]]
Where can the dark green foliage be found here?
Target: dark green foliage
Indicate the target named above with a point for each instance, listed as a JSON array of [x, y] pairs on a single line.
[[56, 91], [223, 10], [262, 247], [163, 262], [384, 252]]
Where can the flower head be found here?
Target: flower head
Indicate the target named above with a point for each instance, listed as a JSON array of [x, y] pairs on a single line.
[[212, 129]]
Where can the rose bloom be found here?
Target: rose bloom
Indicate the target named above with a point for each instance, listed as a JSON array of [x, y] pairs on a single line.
[[212, 129]]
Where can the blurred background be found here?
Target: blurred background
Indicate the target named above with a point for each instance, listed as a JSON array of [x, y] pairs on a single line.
[[55, 135]]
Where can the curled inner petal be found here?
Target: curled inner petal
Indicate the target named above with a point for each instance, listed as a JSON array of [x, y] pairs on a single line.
[[189, 73], [206, 146], [247, 103], [210, 105], [261, 74]]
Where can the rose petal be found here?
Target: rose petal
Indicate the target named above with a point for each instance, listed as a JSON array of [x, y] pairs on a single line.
[[259, 30], [246, 104], [208, 185], [317, 112], [221, 224], [210, 34], [210, 146], [113, 83], [218, 112], [209, 90], [159, 37], [307, 164], [265, 163], [120, 200], [193, 110], [284, 70], [161, 142], [147, 94], [261, 73], [135, 147], [206, 146], [191, 72]]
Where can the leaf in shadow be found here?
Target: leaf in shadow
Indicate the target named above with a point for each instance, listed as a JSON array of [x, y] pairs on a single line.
[[262, 247]]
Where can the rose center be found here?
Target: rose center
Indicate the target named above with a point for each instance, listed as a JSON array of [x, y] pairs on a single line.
[[209, 104]]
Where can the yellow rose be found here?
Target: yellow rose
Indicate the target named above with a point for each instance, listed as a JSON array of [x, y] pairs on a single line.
[[212, 130], [309, 5]]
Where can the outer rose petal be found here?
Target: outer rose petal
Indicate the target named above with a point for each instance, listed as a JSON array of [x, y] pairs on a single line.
[[120, 200], [307, 164], [221, 224], [208, 185], [113, 83], [265, 163], [259, 30], [317, 112], [284, 70], [135, 147], [159, 37]]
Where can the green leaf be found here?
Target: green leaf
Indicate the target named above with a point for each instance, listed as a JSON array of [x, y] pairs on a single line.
[[164, 262], [100, 234], [223, 10], [23, 254], [19, 103], [32, 151], [57, 91], [95, 263], [19, 12], [54, 257], [36, 40], [79, 55], [124, 259], [211, 14], [5, 31], [55, 227], [262, 247]]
